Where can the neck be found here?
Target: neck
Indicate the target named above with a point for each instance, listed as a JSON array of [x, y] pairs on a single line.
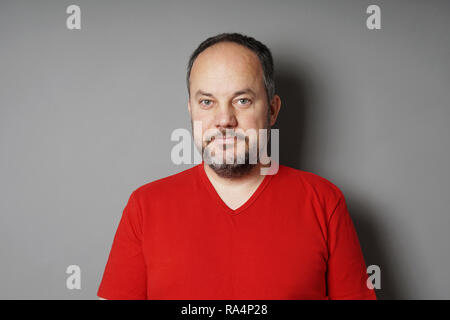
[[253, 177]]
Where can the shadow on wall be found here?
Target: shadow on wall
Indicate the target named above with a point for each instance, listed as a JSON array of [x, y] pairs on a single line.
[[300, 99]]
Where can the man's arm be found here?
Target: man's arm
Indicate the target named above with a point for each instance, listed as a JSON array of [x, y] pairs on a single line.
[[347, 274], [125, 272]]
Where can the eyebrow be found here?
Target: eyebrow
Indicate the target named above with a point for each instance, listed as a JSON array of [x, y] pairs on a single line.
[[237, 93]]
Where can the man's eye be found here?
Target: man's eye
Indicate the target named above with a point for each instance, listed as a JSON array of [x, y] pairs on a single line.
[[206, 102], [244, 101]]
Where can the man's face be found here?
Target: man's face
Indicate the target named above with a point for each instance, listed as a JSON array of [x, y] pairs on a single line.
[[227, 92]]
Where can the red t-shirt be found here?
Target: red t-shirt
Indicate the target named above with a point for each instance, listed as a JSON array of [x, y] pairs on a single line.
[[293, 239]]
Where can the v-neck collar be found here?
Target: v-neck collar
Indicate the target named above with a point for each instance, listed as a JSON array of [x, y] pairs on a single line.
[[212, 191]]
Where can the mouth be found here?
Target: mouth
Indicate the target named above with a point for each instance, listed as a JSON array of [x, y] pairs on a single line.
[[224, 139]]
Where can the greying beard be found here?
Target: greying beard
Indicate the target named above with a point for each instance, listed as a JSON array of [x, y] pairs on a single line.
[[231, 170], [235, 170]]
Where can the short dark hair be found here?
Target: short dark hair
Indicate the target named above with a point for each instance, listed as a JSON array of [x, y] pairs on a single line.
[[263, 53]]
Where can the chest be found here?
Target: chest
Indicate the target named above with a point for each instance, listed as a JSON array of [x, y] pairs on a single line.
[[265, 252]]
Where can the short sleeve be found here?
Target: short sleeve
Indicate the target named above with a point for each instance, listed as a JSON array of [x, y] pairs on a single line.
[[346, 269], [124, 277]]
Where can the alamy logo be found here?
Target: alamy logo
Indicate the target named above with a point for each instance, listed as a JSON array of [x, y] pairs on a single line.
[[73, 21], [374, 280], [74, 280], [374, 20]]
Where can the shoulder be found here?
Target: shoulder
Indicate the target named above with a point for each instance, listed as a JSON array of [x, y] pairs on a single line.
[[174, 182], [312, 184]]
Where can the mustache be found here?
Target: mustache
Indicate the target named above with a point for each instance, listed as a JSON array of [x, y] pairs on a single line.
[[209, 137]]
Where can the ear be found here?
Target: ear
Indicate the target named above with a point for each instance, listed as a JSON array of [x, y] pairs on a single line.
[[275, 106], [189, 106]]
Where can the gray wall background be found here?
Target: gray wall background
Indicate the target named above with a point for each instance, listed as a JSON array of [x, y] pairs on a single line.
[[86, 117]]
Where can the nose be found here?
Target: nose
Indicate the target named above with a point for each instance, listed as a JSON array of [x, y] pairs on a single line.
[[225, 117]]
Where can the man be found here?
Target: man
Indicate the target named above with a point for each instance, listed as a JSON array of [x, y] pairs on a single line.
[[223, 230]]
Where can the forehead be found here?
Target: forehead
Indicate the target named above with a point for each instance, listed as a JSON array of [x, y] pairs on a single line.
[[226, 67]]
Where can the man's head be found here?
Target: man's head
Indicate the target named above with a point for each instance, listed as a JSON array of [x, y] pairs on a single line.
[[230, 82]]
